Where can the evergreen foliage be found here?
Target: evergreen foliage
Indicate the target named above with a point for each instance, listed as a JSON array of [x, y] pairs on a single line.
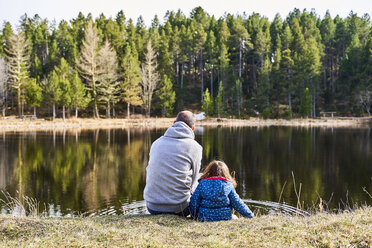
[[131, 78], [305, 108], [167, 96], [262, 64], [33, 94], [207, 104], [219, 101]]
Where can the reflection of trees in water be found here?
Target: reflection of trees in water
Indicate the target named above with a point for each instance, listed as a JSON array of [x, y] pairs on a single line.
[[263, 158], [80, 173], [93, 169], [134, 157]]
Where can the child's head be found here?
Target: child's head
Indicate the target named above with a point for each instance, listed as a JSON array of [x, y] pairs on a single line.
[[218, 169]]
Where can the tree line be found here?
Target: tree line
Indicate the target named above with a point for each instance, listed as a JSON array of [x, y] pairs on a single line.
[[237, 65]]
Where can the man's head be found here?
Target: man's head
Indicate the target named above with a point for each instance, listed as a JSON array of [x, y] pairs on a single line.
[[187, 117]]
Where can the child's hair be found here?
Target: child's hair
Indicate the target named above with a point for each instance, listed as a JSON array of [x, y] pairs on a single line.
[[218, 169]]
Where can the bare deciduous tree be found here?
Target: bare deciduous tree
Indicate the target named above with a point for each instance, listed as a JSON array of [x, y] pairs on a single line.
[[3, 85], [150, 77], [89, 66], [18, 57], [108, 87], [365, 99]]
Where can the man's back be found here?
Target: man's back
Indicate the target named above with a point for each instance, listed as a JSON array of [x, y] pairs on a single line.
[[173, 169]]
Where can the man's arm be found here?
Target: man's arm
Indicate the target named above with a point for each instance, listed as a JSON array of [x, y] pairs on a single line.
[[196, 169]]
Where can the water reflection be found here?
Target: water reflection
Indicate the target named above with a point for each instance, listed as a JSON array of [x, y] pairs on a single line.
[[103, 171], [329, 164]]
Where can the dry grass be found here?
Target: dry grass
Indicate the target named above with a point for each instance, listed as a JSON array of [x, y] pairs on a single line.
[[88, 123], [21, 206], [320, 230], [81, 124]]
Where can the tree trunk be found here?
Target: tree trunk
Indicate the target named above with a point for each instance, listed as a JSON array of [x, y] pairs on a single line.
[[96, 113], [113, 110], [35, 111], [182, 76], [201, 73], [314, 107], [4, 108], [96, 110], [177, 72], [76, 113], [19, 103], [63, 112], [54, 111], [240, 59], [108, 110], [211, 79], [128, 110], [149, 110]]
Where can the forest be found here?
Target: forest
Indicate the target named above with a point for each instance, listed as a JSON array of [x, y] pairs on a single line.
[[235, 66]]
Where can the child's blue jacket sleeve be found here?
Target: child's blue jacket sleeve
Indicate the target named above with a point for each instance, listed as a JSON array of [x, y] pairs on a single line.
[[239, 205], [195, 202]]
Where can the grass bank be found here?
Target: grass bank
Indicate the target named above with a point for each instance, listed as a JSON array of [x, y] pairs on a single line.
[[320, 230], [14, 124]]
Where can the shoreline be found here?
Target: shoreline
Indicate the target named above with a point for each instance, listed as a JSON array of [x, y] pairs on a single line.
[[10, 125], [346, 229]]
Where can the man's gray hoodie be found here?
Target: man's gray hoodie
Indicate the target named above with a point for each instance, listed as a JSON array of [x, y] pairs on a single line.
[[173, 169]]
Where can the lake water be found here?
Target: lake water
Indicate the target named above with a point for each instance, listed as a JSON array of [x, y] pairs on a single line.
[[103, 171]]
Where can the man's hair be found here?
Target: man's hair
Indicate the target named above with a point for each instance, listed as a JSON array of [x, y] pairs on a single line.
[[187, 117]]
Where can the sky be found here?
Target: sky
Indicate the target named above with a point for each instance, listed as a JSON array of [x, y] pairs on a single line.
[[12, 10]]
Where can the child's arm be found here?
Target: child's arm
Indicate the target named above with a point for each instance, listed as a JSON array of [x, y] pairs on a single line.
[[195, 202], [239, 205]]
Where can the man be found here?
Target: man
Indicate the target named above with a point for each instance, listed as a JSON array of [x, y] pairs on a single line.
[[173, 169]]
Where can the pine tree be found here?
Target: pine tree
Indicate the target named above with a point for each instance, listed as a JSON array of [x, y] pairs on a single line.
[[211, 51], [67, 45], [79, 98], [167, 96], [224, 61], [263, 89], [305, 108], [223, 58], [61, 86], [17, 55], [108, 88], [207, 103], [239, 95], [89, 66], [200, 37], [219, 100], [240, 40], [150, 77], [131, 78], [33, 94], [51, 90]]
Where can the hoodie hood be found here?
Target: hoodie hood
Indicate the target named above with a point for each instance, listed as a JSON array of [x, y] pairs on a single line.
[[180, 130]]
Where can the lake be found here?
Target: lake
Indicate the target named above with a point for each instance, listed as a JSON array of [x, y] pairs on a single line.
[[100, 172]]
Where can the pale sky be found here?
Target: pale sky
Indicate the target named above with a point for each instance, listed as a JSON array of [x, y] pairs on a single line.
[[12, 10]]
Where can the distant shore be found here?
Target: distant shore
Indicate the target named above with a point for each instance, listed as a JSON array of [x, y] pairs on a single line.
[[15, 124]]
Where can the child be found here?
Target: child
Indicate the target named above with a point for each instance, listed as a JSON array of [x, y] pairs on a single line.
[[215, 195]]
